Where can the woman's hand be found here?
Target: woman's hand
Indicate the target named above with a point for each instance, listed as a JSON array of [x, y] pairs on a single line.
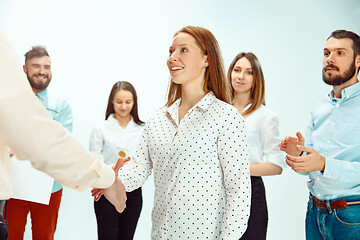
[[289, 144]]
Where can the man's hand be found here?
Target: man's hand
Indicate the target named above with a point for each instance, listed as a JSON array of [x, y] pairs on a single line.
[[312, 162], [110, 193], [289, 144], [116, 194]]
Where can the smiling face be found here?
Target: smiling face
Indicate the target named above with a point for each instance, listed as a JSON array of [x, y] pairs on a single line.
[[242, 76], [38, 72], [339, 62], [123, 103], [186, 62]]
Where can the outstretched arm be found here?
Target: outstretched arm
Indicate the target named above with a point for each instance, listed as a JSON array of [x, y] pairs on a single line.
[[27, 128]]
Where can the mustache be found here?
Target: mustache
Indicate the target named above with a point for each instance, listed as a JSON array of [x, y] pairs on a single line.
[[331, 66]]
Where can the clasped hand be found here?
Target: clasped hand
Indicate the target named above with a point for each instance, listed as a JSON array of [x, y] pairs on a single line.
[[116, 193], [311, 162]]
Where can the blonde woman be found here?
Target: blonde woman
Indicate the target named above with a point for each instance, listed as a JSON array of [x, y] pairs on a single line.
[[248, 97]]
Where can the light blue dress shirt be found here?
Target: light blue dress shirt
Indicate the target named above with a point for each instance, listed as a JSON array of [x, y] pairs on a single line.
[[60, 111], [334, 132]]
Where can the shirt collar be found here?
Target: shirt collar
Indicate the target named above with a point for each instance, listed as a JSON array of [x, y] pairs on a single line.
[[42, 95], [247, 107], [202, 105], [346, 93], [112, 120]]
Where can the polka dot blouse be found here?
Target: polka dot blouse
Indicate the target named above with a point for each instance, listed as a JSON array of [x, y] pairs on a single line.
[[201, 171]]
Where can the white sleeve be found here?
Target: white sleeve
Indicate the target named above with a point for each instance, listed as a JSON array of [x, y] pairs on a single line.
[[135, 172], [234, 159], [28, 129], [96, 142], [270, 140]]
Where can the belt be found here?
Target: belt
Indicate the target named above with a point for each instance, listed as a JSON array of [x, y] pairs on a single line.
[[340, 204]]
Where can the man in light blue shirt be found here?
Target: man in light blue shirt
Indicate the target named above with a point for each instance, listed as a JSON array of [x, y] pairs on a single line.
[[332, 159], [44, 217]]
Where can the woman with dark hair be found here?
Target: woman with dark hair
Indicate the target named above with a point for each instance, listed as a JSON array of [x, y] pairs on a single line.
[[196, 147], [118, 137], [248, 96]]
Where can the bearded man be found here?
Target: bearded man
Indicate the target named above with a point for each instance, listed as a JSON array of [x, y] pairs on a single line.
[[332, 146], [43, 217]]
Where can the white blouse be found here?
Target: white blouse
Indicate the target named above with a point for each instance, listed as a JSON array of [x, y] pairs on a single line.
[[263, 136], [108, 138], [201, 171]]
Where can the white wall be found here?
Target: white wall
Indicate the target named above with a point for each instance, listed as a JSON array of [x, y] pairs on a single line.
[[93, 44]]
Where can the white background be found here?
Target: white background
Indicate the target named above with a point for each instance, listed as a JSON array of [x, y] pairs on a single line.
[[93, 44]]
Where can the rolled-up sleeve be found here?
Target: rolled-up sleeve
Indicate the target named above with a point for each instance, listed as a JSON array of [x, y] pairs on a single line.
[[270, 140], [135, 172]]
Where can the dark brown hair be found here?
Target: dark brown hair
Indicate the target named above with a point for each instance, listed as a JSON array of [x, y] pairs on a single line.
[[123, 85], [340, 34], [257, 92], [215, 79], [36, 51]]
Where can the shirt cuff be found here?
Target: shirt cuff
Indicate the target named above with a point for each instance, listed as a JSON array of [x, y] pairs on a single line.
[[106, 176], [330, 168]]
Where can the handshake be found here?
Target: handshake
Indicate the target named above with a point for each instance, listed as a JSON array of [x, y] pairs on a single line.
[[116, 193]]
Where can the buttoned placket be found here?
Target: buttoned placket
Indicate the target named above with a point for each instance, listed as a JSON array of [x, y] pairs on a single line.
[[177, 137], [335, 113]]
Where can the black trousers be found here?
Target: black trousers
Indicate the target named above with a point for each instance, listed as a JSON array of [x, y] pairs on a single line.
[[118, 226], [258, 221]]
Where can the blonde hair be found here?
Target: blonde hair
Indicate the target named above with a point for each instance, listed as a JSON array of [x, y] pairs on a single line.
[[257, 91], [215, 79]]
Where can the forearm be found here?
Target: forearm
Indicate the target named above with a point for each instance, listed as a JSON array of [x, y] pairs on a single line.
[[265, 169], [34, 136], [134, 175], [237, 206]]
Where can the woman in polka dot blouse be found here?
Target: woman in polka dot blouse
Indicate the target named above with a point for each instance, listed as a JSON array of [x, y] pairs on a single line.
[[196, 147], [248, 88]]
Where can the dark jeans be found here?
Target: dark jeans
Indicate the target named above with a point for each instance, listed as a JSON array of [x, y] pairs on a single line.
[[3, 229], [118, 226], [333, 224], [258, 221]]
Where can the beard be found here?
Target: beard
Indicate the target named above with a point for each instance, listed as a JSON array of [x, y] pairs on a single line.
[[340, 78], [39, 85]]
